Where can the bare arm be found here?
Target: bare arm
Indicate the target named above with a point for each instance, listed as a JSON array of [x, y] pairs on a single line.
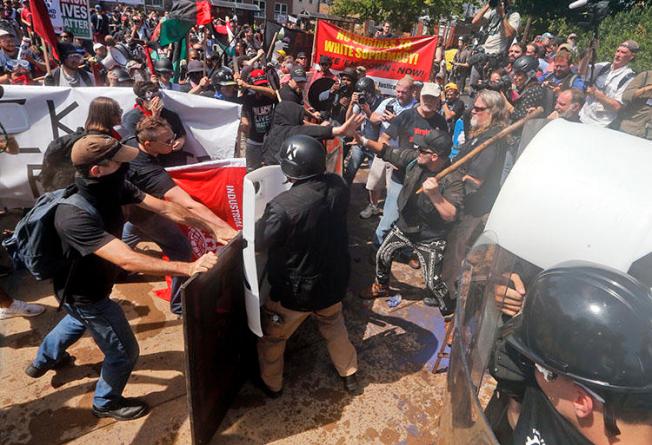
[[375, 146], [479, 16], [223, 232], [118, 253], [604, 99], [348, 128], [447, 211]]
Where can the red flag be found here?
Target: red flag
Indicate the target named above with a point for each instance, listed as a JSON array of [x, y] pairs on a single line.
[[218, 185], [203, 12], [43, 25]]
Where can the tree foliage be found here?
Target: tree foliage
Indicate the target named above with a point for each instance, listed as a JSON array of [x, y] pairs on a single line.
[[402, 14]]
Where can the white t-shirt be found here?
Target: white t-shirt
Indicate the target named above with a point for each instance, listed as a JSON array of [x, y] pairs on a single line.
[[594, 112], [497, 42]]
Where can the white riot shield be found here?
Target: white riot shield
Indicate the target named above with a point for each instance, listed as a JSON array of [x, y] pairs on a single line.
[[260, 187]]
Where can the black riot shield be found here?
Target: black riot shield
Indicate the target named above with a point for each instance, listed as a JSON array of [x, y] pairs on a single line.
[[219, 346]]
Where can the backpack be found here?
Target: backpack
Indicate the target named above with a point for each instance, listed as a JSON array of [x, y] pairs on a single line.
[[35, 243], [57, 171]]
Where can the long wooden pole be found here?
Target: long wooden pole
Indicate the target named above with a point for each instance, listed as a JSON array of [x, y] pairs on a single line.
[[46, 53], [270, 50], [480, 148]]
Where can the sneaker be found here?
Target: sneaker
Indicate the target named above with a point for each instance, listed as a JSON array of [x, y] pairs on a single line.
[[448, 310], [123, 409], [19, 308], [65, 360], [351, 384], [370, 210], [377, 290]]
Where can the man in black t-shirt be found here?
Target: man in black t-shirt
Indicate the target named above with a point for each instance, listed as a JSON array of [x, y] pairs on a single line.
[[453, 107], [149, 102], [93, 254], [257, 111], [420, 120], [155, 138], [293, 90]]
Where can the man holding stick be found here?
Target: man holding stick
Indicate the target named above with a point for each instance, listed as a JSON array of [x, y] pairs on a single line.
[[424, 219]]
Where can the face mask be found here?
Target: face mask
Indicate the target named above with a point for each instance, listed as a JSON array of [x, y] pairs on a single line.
[[103, 192]]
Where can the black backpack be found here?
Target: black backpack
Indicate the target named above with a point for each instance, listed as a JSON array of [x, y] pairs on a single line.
[[35, 244], [58, 171]]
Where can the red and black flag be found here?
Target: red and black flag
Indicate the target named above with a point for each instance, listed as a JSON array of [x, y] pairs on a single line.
[[184, 15]]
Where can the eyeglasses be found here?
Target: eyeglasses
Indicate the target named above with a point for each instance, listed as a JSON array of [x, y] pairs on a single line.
[[169, 142], [479, 109]]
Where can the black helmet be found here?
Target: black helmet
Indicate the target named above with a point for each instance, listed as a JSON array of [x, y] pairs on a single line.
[[163, 65], [350, 72], [365, 85], [302, 157], [122, 75], [526, 64], [591, 324], [223, 77]]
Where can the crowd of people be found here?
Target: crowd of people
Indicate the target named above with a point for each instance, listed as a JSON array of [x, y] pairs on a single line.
[[407, 138]]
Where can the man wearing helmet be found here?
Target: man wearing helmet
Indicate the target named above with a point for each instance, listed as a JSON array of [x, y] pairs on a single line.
[[225, 85], [304, 232], [584, 331], [529, 94], [163, 74]]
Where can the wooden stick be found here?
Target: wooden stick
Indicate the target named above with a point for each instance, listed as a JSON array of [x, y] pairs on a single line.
[[270, 50], [480, 148], [47, 57]]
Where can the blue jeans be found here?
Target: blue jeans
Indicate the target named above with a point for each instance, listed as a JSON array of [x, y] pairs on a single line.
[[111, 331], [171, 240], [355, 160], [390, 212]]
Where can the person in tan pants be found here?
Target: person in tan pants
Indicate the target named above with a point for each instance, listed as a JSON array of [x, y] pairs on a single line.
[[304, 233]]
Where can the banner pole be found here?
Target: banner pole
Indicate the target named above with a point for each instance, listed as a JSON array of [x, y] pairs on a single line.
[[314, 40], [47, 57], [270, 50]]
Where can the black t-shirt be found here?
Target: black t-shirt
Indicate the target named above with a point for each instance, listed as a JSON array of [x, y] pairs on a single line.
[[456, 107], [408, 124], [82, 234], [259, 109], [146, 173], [540, 423], [131, 119]]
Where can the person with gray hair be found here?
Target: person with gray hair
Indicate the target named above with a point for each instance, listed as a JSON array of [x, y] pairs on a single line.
[[482, 181]]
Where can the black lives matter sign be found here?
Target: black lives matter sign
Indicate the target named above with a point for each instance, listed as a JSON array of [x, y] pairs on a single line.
[[76, 18]]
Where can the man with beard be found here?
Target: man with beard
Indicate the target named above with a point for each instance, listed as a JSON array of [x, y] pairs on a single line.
[[568, 105], [515, 51], [154, 137], [293, 90], [424, 219], [481, 178], [69, 74], [562, 78], [90, 226]]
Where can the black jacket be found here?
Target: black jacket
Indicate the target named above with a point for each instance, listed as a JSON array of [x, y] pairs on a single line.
[[418, 218], [288, 121], [304, 231]]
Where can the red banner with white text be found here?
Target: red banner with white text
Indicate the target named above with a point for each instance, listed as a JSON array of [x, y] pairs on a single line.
[[386, 60]]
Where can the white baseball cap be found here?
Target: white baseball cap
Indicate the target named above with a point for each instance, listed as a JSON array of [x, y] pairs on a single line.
[[431, 89]]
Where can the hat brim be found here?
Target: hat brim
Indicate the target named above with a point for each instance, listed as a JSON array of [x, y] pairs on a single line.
[[228, 83], [126, 153], [300, 79]]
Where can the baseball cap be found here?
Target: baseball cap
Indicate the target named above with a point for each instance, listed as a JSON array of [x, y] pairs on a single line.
[[299, 74], [4, 32], [325, 59], [631, 45], [195, 66], [437, 141], [301, 55], [97, 45], [258, 77], [451, 86], [431, 89], [547, 35], [572, 35], [94, 148]]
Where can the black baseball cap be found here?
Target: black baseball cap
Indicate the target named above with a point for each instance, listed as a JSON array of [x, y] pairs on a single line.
[[437, 141], [299, 74]]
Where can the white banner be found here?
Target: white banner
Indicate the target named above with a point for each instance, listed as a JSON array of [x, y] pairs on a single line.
[[40, 114], [54, 10]]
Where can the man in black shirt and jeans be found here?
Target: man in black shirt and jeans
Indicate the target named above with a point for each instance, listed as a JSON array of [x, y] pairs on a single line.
[[257, 110], [154, 138], [95, 254]]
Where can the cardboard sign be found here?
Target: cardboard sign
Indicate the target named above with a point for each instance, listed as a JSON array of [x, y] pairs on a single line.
[[77, 18]]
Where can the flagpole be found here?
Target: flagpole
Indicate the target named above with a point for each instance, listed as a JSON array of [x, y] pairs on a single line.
[[271, 47], [47, 57], [314, 40]]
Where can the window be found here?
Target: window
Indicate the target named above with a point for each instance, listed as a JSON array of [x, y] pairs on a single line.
[[280, 9], [261, 5]]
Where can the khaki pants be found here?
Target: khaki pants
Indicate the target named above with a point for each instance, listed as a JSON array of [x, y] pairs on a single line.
[[271, 346]]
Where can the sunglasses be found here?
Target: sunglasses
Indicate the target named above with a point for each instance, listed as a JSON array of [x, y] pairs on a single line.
[[425, 151], [479, 109]]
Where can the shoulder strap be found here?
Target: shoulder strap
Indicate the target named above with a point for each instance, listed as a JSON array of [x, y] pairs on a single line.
[[80, 202], [626, 79]]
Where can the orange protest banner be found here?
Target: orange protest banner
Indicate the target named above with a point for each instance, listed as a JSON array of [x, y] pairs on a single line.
[[386, 60]]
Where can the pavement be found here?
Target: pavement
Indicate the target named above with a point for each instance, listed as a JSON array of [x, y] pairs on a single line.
[[400, 404]]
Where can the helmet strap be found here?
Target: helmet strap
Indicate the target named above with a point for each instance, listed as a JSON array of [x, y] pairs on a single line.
[[610, 427]]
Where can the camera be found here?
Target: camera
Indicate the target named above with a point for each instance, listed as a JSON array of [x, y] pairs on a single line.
[[389, 108], [345, 91], [362, 99], [504, 84]]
